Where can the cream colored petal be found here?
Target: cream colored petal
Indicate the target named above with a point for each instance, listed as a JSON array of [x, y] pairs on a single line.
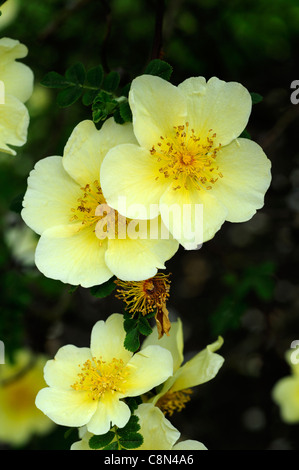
[[128, 182], [110, 411], [148, 368], [18, 80], [224, 107], [75, 258], [285, 394], [189, 444], [157, 106], [200, 369], [67, 408], [87, 146], [107, 339], [174, 342], [139, 259], [192, 216], [11, 49], [14, 121], [246, 177], [62, 371], [157, 431], [50, 196]]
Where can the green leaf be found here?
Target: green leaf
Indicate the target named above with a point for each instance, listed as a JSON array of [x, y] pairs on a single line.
[[125, 111], [132, 342], [96, 442], [131, 426], [159, 68], [76, 74], [94, 76], [144, 327], [68, 96], [89, 97], [117, 117], [133, 403], [103, 290], [111, 81], [103, 105], [256, 98], [55, 80], [245, 134], [131, 441], [112, 446]]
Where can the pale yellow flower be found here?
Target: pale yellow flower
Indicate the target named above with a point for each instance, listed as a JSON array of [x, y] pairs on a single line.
[[87, 385], [19, 383], [16, 80], [9, 10], [158, 433], [62, 205], [189, 154], [285, 393], [204, 366]]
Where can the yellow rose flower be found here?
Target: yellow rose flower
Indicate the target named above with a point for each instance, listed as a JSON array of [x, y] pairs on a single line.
[[19, 383], [158, 433], [285, 393], [189, 156], [204, 366], [16, 80], [79, 244], [87, 385]]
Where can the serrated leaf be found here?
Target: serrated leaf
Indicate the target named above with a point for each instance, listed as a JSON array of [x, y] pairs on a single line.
[[112, 446], [103, 105], [76, 74], [94, 76], [159, 68], [132, 426], [131, 342], [256, 98], [125, 111], [144, 327], [103, 290], [89, 97], [131, 441], [111, 81], [68, 96], [133, 403], [98, 441], [117, 117], [55, 80]]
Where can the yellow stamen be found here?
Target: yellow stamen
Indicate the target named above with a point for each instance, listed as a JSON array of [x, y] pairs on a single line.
[[174, 401], [187, 158], [98, 377]]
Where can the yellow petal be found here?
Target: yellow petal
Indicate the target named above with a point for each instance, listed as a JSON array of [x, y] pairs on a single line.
[[189, 444], [138, 259], [157, 106], [191, 216], [74, 258], [50, 196], [128, 182], [174, 342], [18, 80], [246, 178], [285, 394], [62, 371], [14, 120], [110, 412], [148, 368], [222, 106], [87, 146], [157, 431], [107, 339], [67, 408], [11, 49]]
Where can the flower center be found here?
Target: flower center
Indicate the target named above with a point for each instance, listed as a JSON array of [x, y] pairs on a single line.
[[92, 209], [174, 401], [188, 159], [98, 377]]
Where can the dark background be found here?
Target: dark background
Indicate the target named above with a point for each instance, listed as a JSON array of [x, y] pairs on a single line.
[[243, 284]]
